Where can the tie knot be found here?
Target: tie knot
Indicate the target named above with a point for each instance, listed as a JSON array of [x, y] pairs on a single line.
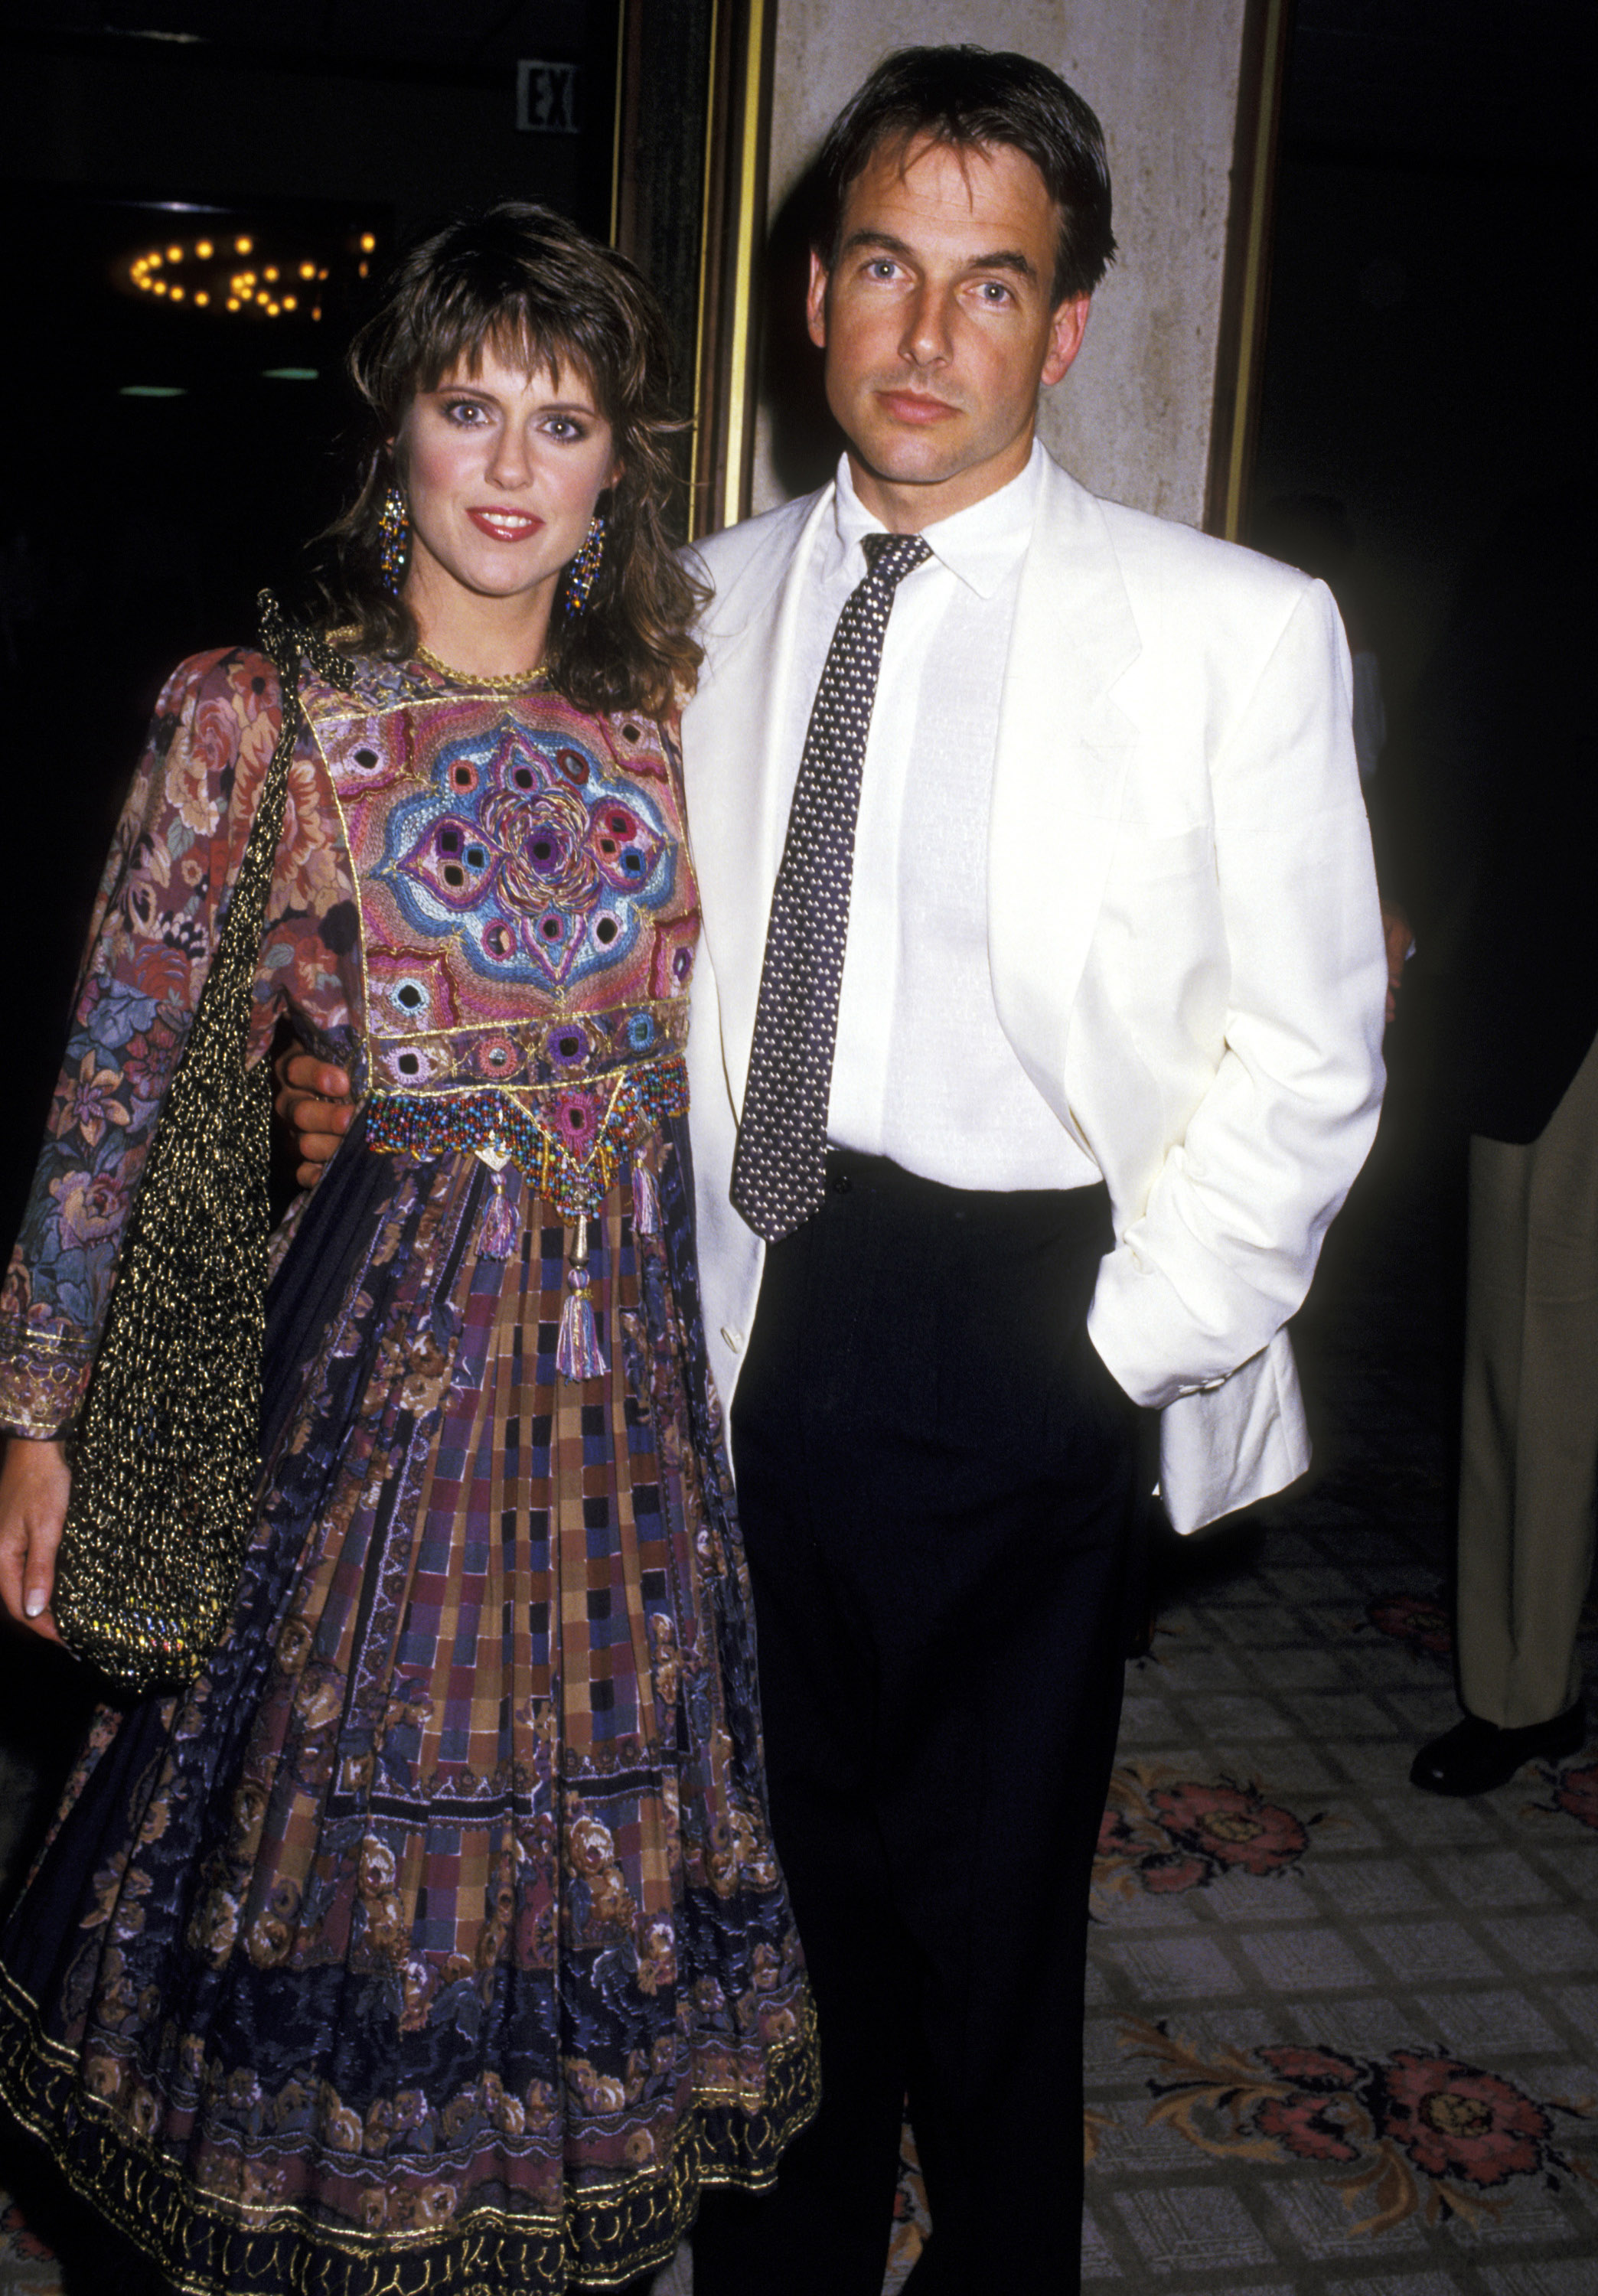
[[890, 557]]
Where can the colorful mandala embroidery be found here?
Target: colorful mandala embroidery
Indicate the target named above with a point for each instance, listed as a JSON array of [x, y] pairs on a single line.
[[528, 921], [510, 856], [527, 857]]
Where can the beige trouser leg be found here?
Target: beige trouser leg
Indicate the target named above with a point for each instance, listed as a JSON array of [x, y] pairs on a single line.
[[1529, 1454]]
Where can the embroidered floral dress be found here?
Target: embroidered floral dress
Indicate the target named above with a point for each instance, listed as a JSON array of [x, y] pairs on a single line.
[[432, 1941]]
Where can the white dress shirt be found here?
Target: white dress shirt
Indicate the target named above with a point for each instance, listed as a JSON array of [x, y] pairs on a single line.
[[923, 1073]]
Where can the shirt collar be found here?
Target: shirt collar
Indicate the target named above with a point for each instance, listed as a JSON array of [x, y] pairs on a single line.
[[981, 544]]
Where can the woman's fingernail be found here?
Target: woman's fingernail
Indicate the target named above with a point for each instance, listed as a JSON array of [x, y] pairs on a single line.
[[34, 1603]]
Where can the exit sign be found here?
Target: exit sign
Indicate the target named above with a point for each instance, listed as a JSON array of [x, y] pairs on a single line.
[[546, 97]]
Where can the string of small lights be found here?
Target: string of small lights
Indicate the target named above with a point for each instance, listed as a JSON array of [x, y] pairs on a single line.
[[237, 273]]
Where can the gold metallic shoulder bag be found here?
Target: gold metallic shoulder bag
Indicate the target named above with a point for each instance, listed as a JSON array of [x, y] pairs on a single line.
[[166, 1456]]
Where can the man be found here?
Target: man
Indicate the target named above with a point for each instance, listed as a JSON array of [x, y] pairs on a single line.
[[1019, 1104], [1495, 823]]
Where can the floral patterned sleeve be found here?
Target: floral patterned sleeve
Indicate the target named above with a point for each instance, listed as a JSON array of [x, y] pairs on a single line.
[[179, 845]]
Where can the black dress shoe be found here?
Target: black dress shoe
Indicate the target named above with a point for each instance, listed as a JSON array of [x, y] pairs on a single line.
[[1476, 1756]]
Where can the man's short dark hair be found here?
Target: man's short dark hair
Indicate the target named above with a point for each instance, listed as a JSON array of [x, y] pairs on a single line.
[[974, 99]]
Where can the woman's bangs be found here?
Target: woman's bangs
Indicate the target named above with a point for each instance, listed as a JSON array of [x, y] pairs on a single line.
[[514, 328]]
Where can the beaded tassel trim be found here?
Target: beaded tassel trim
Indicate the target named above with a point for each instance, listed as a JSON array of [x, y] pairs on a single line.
[[568, 1146]]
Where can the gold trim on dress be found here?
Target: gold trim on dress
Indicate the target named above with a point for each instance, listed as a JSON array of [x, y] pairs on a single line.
[[607, 2232]]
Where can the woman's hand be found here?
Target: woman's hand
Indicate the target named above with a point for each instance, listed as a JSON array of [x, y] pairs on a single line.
[[34, 1485], [1398, 939], [312, 1100]]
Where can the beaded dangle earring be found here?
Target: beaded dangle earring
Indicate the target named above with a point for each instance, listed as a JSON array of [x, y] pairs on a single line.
[[581, 572], [393, 541]]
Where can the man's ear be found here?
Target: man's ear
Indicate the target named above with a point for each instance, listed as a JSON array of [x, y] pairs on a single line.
[[815, 302], [1066, 330]]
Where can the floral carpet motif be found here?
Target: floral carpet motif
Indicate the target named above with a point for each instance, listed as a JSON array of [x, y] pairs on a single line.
[[1572, 1791], [1342, 2036], [911, 2222], [1418, 2131], [27, 2263], [1164, 1833], [1413, 1618]]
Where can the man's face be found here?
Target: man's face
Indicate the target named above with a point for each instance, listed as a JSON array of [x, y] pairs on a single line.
[[938, 327]]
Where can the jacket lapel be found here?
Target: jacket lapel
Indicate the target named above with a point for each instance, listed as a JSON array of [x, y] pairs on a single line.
[[1064, 750], [732, 737]]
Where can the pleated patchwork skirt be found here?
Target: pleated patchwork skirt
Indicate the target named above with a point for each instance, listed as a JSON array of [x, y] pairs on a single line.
[[432, 1939]]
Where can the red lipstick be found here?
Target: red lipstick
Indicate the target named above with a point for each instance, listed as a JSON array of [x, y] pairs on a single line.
[[507, 525]]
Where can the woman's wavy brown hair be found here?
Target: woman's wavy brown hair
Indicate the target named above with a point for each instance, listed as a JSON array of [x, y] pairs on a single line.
[[522, 278]]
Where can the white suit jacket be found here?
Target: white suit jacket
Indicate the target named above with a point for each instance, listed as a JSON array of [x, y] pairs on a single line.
[[1184, 940]]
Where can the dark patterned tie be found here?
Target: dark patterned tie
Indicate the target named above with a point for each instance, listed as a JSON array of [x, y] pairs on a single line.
[[779, 1169]]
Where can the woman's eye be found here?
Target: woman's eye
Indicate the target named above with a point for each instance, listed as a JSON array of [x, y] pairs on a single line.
[[466, 412], [565, 427]]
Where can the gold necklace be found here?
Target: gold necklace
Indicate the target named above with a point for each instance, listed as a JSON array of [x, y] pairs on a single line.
[[522, 682]]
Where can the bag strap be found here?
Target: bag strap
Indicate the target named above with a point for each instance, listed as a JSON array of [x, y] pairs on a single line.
[[167, 1455]]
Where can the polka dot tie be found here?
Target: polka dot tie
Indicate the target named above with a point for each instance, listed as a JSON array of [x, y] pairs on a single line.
[[779, 1169]]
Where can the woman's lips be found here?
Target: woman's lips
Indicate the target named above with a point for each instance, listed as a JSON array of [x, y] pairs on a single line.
[[507, 525]]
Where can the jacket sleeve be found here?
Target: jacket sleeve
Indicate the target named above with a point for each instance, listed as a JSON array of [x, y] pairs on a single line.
[[177, 847], [1222, 1251]]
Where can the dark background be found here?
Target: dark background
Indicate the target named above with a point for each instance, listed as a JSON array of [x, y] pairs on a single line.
[[135, 530], [1428, 356], [1431, 342]]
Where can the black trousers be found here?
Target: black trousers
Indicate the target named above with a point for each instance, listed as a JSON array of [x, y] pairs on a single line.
[[935, 1474]]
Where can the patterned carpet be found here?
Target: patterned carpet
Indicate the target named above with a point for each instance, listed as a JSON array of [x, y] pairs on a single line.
[[1342, 2037]]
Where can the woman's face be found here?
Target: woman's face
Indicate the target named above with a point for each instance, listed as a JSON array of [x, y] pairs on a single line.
[[501, 470]]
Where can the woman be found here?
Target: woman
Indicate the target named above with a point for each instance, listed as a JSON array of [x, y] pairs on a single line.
[[432, 1939]]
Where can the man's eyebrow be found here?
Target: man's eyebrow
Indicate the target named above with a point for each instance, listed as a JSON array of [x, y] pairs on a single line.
[[1005, 258], [883, 239], [1002, 259]]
